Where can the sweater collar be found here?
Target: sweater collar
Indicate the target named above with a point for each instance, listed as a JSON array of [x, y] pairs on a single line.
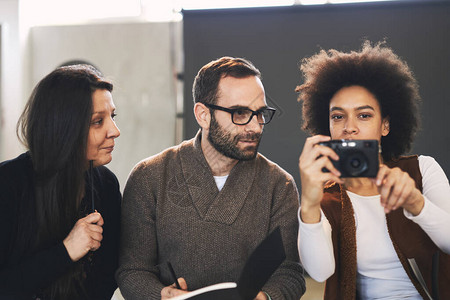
[[212, 205]]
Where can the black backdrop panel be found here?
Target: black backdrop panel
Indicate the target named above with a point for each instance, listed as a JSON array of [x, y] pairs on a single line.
[[276, 39]]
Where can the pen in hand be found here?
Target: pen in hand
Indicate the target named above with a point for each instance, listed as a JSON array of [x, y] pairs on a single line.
[[174, 276]]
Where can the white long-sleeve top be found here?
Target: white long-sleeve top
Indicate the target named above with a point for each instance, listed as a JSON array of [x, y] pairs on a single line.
[[377, 262]]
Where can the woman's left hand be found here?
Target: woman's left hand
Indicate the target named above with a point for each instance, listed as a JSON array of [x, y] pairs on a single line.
[[397, 189]]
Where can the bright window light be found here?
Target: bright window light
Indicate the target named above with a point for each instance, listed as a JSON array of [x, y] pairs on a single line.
[[52, 12], [210, 4], [160, 11], [355, 1], [313, 2], [68, 11]]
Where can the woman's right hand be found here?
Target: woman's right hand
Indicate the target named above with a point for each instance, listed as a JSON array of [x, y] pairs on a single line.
[[85, 236], [313, 159]]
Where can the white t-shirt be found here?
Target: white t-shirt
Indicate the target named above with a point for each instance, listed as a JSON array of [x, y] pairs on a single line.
[[220, 181], [380, 273]]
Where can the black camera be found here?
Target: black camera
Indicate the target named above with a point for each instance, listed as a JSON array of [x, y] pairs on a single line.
[[357, 158]]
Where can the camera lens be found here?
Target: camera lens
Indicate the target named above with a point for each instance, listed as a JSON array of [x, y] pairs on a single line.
[[355, 164]]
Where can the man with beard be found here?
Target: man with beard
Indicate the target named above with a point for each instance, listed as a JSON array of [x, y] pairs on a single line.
[[205, 204]]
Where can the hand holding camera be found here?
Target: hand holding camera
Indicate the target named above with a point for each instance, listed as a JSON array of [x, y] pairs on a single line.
[[397, 189], [323, 160], [311, 162], [357, 158]]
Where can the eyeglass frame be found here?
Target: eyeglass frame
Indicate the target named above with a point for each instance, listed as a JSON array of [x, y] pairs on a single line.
[[233, 110]]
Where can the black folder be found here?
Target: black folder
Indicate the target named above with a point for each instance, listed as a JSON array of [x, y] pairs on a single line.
[[261, 264]]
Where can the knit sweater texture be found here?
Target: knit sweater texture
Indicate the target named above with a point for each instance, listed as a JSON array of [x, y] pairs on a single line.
[[173, 211]]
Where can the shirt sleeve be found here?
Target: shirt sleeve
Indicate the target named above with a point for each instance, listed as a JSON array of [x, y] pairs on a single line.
[[137, 275], [34, 272], [316, 248], [287, 282], [28, 274], [434, 218]]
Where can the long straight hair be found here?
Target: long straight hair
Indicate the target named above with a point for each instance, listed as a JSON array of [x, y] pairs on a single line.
[[54, 126]]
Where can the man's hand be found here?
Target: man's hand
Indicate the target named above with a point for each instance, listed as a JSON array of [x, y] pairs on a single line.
[[261, 296], [172, 291]]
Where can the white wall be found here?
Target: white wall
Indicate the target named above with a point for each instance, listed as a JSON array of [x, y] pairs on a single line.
[[11, 79], [139, 59]]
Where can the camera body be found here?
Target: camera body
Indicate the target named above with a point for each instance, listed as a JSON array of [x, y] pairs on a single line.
[[357, 158]]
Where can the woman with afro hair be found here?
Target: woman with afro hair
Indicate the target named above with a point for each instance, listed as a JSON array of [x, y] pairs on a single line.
[[385, 237]]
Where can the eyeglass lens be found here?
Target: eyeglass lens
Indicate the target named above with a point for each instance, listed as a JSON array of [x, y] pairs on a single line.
[[243, 116]]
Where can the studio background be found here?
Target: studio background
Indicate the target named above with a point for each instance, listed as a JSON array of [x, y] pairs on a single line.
[[276, 39], [153, 65]]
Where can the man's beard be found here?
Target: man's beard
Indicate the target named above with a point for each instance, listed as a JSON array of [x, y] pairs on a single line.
[[225, 144]]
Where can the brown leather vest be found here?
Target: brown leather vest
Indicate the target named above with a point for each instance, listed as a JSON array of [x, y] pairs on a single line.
[[409, 241]]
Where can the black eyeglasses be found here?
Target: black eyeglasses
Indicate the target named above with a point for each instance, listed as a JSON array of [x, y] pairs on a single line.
[[243, 115]]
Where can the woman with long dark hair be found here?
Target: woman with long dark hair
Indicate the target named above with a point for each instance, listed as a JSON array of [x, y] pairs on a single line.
[[59, 206]]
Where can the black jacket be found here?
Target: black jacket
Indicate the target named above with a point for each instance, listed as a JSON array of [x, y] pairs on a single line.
[[23, 275]]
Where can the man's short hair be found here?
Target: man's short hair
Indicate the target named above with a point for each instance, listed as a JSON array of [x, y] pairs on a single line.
[[205, 88]]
